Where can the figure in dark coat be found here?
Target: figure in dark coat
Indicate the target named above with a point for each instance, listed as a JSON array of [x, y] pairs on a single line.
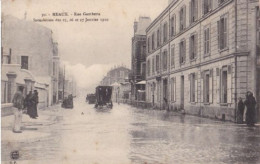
[[35, 100], [240, 112], [27, 102], [250, 103]]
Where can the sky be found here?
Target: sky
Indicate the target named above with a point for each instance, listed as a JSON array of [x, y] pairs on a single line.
[[87, 46]]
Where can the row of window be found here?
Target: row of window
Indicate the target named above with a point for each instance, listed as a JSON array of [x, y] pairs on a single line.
[[223, 83], [193, 49], [154, 40]]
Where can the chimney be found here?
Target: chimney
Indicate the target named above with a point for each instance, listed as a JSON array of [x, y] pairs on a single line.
[[135, 26]]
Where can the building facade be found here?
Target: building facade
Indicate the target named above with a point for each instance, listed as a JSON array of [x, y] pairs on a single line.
[[202, 56], [118, 79], [138, 62], [30, 55]]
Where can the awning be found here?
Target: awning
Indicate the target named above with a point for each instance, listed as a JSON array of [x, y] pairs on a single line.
[[141, 82]]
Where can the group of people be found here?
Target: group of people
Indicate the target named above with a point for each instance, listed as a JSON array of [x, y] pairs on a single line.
[[250, 104], [30, 104]]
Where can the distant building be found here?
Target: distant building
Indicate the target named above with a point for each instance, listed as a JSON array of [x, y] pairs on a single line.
[[204, 55], [30, 59], [138, 63], [118, 78]]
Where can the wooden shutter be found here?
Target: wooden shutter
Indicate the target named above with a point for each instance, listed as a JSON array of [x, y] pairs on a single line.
[[229, 84], [211, 86], [184, 50], [196, 87], [184, 17], [225, 33], [191, 12], [174, 88], [202, 87], [189, 90], [196, 45], [196, 10], [219, 31]]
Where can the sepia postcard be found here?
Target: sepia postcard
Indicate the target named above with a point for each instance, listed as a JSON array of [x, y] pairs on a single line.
[[130, 81]]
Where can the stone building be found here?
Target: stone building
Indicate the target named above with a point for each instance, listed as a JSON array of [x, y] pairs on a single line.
[[118, 79], [138, 56], [202, 56], [29, 58]]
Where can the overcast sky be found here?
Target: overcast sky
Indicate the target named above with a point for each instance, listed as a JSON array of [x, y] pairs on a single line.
[[92, 43]]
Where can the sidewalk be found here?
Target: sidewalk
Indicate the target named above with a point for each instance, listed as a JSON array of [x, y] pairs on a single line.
[[30, 127]]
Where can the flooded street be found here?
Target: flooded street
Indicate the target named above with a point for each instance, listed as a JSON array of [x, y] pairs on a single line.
[[126, 135]]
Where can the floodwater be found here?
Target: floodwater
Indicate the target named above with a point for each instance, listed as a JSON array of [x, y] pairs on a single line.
[[127, 135]]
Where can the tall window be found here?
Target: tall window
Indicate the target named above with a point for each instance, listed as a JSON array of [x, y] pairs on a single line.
[[143, 69], [173, 85], [206, 6], [206, 87], [222, 32], [153, 46], [172, 56], [165, 60], [182, 52], [193, 10], [173, 26], [157, 63], [54, 69], [148, 44], [24, 62], [158, 38], [206, 41], [192, 87], [224, 87], [165, 32], [193, 46], [148, 67], [153, 65], [182, 18]]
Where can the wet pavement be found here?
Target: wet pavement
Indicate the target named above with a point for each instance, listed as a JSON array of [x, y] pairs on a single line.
[[127, 135]]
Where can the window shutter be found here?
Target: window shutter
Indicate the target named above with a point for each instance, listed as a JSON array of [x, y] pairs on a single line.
[[219, 31], [229, 84], [189, 78], [210, 4], [195, 45], [184, 17], [174, 88], [218, 84], [203, 7], [196, 10], [191, 12], [202, 87], [184, 50], [196, 87], [211, 86], [225, 32]]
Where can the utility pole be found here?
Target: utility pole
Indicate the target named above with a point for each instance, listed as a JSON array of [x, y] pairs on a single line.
[[63, 82]]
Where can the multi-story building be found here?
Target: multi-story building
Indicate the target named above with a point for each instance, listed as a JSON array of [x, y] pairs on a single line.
[[138, 55], [202, 56], [118, 79], [29, 58]]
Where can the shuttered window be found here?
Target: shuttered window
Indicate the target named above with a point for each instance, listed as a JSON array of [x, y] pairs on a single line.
[[193, 10], [206, 41], [182, 18], [173, 26], [206, 6], [164, 60], [193, 88], [193, 46], [222, 33], [158, 38], [182, 46], [165, 32], [157, 63], [172, 56], [173, 89]]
